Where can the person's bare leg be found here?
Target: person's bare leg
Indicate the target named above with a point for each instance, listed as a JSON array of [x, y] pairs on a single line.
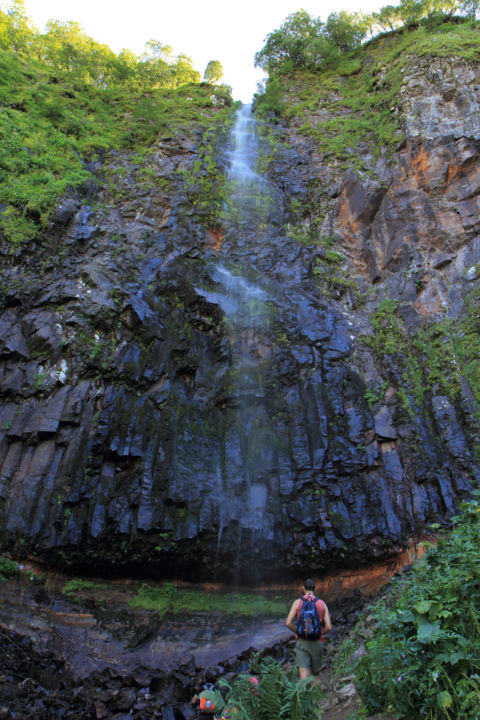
[[303, 673]]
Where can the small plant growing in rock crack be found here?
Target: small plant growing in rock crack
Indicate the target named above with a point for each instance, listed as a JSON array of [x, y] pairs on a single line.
[[38, 380], [77, 586], [8, 568]]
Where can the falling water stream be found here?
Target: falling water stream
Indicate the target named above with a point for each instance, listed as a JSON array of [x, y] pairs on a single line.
[[245, 299]]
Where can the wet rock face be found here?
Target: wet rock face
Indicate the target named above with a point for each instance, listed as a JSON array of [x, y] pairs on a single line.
[[130, 441]]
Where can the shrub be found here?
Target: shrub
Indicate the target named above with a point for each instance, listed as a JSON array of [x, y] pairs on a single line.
[[7, 568], [424, 658], [278, 694]]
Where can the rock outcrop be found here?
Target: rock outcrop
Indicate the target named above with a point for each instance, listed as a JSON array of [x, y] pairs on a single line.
[[122, 447]]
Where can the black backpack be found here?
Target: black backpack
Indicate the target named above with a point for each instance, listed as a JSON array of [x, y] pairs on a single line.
[[309, 625]]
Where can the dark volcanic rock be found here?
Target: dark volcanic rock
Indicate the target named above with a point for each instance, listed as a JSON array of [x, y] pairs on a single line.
[[60, 660], [144, 429], [64, 211]]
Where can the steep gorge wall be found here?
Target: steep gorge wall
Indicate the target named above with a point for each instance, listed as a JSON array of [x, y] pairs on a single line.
[[121, 448]]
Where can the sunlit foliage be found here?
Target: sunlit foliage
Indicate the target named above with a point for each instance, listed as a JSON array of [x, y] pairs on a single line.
[[213, 72], [307, 42]]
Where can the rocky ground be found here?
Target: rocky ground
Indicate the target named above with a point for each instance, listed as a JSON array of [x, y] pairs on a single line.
[[37, 686], [53, 659]]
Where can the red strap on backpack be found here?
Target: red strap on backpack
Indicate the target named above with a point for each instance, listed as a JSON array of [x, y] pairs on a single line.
[[320, 605]]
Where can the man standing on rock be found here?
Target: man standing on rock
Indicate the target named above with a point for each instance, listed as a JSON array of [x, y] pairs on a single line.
[[312, 623]]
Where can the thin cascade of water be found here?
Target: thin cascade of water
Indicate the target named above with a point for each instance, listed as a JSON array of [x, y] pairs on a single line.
[[245, 302], [243, 155], [251, 197]]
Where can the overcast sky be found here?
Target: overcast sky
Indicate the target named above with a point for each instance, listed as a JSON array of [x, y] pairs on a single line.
[[203, 29]]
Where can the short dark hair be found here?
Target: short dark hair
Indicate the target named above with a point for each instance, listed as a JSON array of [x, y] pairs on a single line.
[[210, 676], [309, 584]]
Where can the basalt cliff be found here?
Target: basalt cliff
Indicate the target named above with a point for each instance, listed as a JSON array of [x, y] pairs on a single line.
[[127, 445]]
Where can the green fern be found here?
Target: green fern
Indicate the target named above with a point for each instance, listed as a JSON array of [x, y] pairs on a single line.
[[277, 695]]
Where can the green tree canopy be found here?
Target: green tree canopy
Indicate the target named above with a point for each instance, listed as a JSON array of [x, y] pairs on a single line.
[[16, 30], [306, 42], [213, 72], [65, 47], [182, 71], [299, 42], [159, 67], [470, 8], [347, 30], [388, 18]]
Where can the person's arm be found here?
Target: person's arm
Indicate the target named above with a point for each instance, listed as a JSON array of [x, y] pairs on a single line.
[[291, 616], [327, 623]]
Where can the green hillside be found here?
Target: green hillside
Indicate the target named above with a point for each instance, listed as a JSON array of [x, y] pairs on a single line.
[[66, 100]]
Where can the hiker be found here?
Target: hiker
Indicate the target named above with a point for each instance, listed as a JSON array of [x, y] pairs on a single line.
[[312, 623], [211, 700]]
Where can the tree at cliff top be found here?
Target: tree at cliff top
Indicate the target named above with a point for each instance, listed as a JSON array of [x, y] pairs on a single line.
[[66, 48], [306, 42], [65, 97], [213, 71]]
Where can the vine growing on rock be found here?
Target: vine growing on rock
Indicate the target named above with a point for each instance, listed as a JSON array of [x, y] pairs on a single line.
[[205, 183], [7, 568]]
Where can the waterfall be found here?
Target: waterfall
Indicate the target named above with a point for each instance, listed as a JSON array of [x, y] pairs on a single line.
[[248, 316], [251, 198], [242, 157], [245, 300]]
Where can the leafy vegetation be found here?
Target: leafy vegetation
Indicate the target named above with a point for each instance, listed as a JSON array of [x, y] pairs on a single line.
[[435, 359], [65, 48], [7, 568], [205, 183], [314, 66], [170, 598], [423, 660], [213, 72], [306, 42], [278, 694], [309, 43], [74, 587], [66, 100]]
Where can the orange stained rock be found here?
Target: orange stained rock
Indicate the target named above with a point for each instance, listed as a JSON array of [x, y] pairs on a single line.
[[453, 173], [214, 239], [389, 393], [368, 580], [348, 224], [73, 619], [165, 217], [332, 586], [429, 302], [211, 587], [421, 167]]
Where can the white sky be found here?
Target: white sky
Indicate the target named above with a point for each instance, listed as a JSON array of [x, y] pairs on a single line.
[[231, 32]]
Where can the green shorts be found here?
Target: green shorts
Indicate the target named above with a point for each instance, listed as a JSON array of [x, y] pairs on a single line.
[[309, 654]]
